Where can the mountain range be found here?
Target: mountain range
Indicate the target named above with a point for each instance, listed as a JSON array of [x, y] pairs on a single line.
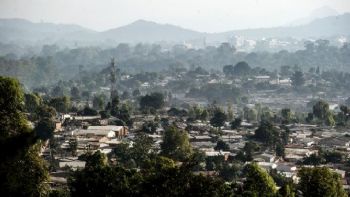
[[24, 31]]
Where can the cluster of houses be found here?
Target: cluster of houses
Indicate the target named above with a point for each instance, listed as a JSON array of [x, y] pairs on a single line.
[[75, 135]]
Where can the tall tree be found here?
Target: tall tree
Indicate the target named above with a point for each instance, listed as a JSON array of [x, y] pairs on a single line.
[[75, 93], [45, 128], [258, 182], [176, 144], [267, 133], [298, 79], [32, 102], [22, 171], [241, 68], [286, 115], [228, 70], [61, 104], [320, 181], [154, 100], [320, 109], [221, 145], [218, 119]]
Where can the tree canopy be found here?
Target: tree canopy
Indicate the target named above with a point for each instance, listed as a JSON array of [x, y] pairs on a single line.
[[320, 181], [258, 182], [22, 170], [176, 144], [154, 100]]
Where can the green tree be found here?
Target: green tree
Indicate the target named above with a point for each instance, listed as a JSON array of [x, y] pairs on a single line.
[[104, 180], [229, 172], [22, 171], [57, 91], [333, 156], [280, 150], [87, 111], [98, 102], [286, 115], [218, 118], [228, 70], [61, 104], [347, 102], [329, 121], [175, 144], [149, 127], [322, 112], [313, 159], [27, 175], [154, 100], [75, 93], [320, 181], [141, 149], [221, 145], [229, 113], [136, 93], [248, 150], [182, 182], [124, 114], [45, 128], [204, 115], [73, 145], [320, 109], [32, 102], [250, 114], [266, 133], [45, 111], [298, 79], [287, 190], [258, 181], [241, 68], [236, 123], [94, 160]]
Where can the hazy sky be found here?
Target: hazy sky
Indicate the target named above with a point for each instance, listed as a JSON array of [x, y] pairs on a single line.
[[201, 15]]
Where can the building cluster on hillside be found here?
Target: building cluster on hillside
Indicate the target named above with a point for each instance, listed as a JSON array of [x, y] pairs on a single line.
[[77, 135]]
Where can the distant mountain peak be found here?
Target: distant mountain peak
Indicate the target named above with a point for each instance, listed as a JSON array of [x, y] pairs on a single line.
[[322, 12], [142, 21]]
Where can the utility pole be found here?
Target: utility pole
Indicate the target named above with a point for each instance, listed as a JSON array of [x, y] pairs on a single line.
[[114, 92]]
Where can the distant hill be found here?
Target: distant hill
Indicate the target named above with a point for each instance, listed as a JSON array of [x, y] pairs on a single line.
[[23, 31], [146, 31], [319, 28], [321, 12], [20, 30]]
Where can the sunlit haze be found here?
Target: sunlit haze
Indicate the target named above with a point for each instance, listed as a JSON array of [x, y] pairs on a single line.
[[200, 15]]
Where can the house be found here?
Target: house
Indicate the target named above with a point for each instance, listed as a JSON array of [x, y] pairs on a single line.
[[201, 138], [217, 153], [58, 126], [77, 164], [265, 157], [307, 142], [94, 132], [120, 131], [267, 165], [335, 142], [286, 167], [262, 78], [295, 153]]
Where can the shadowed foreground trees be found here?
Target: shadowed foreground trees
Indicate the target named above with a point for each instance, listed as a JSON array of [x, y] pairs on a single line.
[[160, 178], [22, 171], [320, 181], [258, 182]]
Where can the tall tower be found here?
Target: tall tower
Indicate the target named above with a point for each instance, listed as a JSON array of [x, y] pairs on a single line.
[[114, 92]]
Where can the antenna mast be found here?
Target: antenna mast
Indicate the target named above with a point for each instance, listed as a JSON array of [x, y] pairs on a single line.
[[114, 92]]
